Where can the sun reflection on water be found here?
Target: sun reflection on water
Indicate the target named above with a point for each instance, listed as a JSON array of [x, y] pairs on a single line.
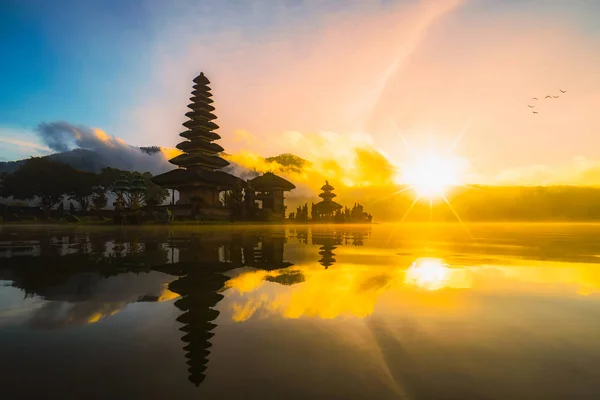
[[428, 273]]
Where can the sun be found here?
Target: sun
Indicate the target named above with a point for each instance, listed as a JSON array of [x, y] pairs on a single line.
[[430, 175]]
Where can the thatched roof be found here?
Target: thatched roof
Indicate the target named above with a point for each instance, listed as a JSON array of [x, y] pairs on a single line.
[[327, 187], [327, 207], [201, 79], [270, 181], [183, 177]]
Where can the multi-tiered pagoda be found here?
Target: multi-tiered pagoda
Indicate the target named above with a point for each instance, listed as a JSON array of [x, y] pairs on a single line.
[[198, 178], [326, 208]]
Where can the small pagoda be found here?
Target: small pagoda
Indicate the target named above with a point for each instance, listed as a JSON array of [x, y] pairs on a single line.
[[269, 189], [198, 178], [326, 209]]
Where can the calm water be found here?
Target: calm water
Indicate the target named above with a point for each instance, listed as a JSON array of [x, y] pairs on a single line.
[[381, 312]]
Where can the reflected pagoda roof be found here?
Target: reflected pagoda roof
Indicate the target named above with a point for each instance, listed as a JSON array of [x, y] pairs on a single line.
[[270, 181]]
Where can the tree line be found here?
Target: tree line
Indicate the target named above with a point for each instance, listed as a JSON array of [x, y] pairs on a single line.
[[355, 214], [50, 182]]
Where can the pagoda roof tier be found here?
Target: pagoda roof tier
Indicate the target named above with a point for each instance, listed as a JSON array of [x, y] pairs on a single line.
[[202, 89], [199, 144], [201, 99], [201, 95], [200, 134], [179, 178], [199, 160], [201, 124], [327, 195], [327, 187], [202, 92], [327, 207], [269, 181], [201, 106], [201, 79], [197, 114]]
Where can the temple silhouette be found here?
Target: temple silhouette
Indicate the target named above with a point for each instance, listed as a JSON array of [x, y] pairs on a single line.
[[207, 192]]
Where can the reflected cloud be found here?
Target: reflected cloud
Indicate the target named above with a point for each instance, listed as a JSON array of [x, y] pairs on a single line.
[[87, 299]]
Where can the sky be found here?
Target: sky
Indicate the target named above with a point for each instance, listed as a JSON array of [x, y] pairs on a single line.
[[317, 78]]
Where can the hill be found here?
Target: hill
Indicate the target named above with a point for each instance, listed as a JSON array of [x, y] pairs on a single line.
[[85, 160]]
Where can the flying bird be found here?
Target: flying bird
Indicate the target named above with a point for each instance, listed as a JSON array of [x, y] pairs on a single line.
[[562, 91], [534, 98], [535, 112], [548, 97], [530, 106], [555, 97]]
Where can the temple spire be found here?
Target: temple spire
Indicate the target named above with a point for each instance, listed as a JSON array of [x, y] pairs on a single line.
[[199, 151]]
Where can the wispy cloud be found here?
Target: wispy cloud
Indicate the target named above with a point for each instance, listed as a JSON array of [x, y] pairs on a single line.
[[9, 142]]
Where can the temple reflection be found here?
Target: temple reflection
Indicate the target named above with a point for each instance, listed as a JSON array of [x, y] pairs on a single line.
[[85, 278], [74, 273]]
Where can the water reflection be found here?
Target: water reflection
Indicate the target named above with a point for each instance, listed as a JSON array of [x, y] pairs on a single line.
[[84, 278], [223, 281], [435, 274]]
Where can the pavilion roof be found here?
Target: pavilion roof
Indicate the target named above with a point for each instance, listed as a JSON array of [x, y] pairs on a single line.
[[184, 177], [270, 181], [326, 207]]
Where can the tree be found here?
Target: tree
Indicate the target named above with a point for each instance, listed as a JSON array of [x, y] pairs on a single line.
[[314, 215], [40, 178], [99, 199], [155, 194], [82, 188]]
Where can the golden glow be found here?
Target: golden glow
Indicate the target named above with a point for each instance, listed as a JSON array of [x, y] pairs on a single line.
[[382, 283], [95, 317], [99, 315], [434, 274], [169, 153], [101, 135], [167, 295], [431, 175], [359, 290]]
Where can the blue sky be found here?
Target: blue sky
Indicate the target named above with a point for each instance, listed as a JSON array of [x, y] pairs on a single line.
[[306, 66], [82, 61], [69, 60]]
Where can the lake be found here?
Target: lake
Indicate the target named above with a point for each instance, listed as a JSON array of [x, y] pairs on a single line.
[[484, 311]]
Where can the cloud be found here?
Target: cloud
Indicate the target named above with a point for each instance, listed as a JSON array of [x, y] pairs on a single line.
[[63, 136], [15, 143], [358, 171], [24, 144], [104, 297]]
